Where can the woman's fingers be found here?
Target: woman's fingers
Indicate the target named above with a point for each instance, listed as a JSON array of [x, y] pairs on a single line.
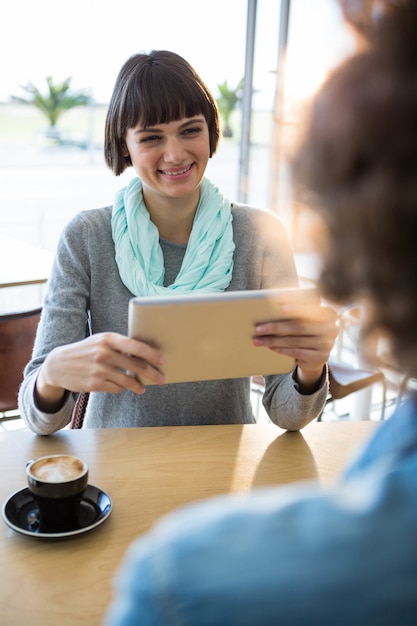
[[308, 335], [106, 362]]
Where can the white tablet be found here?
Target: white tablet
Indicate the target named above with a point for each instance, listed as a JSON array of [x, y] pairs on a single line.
[[209, 336]]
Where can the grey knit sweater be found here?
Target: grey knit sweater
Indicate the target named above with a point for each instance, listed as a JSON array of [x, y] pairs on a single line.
[[85, 276]]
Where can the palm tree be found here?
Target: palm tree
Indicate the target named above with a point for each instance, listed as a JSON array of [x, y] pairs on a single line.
[[227, 102], [58, 99]]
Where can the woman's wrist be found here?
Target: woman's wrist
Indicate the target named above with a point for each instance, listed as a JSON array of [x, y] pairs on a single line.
[[309, 382], [48, 398]]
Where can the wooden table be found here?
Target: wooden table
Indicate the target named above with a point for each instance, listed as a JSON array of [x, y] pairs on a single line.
[[22, 264], [147, 472]]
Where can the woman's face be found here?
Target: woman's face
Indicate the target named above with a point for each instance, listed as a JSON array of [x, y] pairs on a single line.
[[170, 159]]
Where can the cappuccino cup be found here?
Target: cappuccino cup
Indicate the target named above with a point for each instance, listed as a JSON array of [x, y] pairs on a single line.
[[57, 483]]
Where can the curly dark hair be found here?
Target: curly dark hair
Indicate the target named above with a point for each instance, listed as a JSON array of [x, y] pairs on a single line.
[[358, 163], [155, 88]]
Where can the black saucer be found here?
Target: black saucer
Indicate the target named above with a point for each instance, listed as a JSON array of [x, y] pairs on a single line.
[[20, 513]]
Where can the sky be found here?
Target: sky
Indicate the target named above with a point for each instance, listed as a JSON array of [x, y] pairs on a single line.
[[90, 40]]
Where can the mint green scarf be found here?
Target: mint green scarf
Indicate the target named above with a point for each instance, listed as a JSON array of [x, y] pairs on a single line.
[[208, 260]]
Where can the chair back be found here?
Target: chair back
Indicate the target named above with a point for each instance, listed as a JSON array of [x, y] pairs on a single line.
[[78, 414], [17, 336]]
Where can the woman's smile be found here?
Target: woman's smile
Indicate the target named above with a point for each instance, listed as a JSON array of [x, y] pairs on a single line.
[[179, 173]]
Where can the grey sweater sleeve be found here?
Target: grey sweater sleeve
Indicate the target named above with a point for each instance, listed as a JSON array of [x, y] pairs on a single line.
[[63, 321]]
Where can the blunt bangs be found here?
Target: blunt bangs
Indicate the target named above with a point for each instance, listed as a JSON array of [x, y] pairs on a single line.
[[160, 98]]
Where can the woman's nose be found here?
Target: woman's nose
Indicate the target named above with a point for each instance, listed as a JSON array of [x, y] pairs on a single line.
[[174, 150]]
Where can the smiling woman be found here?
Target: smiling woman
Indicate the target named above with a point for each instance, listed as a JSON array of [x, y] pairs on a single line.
[[170, 230]]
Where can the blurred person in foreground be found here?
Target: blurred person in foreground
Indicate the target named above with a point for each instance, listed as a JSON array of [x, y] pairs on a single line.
[[302, 555]]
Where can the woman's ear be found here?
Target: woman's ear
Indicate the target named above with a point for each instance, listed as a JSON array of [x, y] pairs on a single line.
[[125, 151]]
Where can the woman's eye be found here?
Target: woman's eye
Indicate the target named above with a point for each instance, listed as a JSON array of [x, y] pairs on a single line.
[[149, 139], [192, 131]]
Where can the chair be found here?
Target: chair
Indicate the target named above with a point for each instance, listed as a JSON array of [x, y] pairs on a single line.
[[17, 336], [345, 379], [346, 375], [400, 383], [78, 413]]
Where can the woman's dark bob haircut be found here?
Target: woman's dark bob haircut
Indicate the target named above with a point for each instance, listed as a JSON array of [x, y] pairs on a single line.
[[155, 88]]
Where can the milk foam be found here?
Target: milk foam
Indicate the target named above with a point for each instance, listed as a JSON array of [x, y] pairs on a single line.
[[57, 469]]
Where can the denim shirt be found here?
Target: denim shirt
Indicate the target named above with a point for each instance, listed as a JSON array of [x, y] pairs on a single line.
[[288, 555]]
